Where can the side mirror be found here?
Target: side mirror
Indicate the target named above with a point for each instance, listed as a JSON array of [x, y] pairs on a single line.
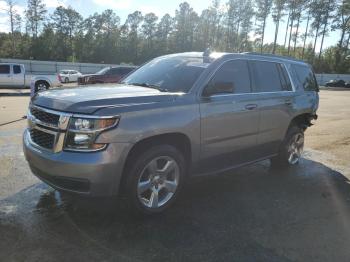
[[218, 88]]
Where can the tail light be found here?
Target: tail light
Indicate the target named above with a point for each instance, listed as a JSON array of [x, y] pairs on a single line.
[[59, 77]]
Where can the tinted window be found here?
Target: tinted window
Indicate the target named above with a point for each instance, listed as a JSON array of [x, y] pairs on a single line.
[[114, 71], [4, 69], [16, 69], [286, 84], [266, 76], [305, 77], [126, 70], [234, 74], [173, 73]]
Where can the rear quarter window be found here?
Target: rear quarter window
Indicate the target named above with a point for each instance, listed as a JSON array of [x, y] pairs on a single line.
[[305, 77]]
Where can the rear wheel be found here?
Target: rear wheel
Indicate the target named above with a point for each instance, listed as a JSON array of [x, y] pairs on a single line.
[[155, 179], [41, 86], [291, 149], [66, 80]]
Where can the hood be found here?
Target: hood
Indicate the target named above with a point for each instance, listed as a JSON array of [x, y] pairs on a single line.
[[89, 99]]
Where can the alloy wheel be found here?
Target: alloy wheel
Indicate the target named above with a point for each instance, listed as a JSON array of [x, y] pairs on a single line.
[[158, 182], [295, 148]]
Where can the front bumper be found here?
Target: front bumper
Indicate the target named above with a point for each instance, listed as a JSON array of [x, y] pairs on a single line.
[[96, 174]]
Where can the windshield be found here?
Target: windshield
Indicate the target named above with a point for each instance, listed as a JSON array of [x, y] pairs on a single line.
[[102, 71], [170, 74]]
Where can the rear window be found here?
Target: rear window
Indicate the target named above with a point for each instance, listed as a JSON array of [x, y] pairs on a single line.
[[16, 69], [4, 69], [267, 76], [306, 77]]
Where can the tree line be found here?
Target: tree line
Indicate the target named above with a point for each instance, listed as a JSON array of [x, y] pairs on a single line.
[[235, 26]]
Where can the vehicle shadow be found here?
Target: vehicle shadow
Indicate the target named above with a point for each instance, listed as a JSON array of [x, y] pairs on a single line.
[[252, 214]]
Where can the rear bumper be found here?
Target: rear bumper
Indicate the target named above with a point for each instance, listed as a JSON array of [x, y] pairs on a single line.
[[96, 174]]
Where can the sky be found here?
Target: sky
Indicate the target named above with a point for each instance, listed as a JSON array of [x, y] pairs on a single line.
[[160, 7]]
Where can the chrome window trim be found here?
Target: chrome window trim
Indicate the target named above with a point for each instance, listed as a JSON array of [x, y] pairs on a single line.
[[276, 92]]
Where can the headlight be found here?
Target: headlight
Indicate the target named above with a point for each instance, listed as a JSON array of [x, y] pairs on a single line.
[[92, 124], [82, 133]]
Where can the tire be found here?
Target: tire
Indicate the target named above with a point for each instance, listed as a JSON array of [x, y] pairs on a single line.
[[41, 86], [148, 189], [291, 148], [66, 80]]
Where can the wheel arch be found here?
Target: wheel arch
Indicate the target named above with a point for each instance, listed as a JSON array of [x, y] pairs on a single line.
[[302, 120], [37, 81], [178, 140]]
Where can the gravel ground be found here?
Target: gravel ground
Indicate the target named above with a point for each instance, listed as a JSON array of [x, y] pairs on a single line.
[[252, 214]]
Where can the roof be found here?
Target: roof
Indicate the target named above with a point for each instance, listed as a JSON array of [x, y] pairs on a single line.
[[279, 57], [216, 55]]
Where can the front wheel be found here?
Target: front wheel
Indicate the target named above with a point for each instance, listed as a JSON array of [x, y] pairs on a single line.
[[291, 149], [155, 179]]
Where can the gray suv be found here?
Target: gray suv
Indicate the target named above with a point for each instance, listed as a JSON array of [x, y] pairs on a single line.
[[177, 116]]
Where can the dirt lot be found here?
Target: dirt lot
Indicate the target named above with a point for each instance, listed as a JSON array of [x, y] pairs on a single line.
[[253, 214]]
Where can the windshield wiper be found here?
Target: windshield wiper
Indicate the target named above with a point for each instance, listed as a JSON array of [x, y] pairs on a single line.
[[149, 86]]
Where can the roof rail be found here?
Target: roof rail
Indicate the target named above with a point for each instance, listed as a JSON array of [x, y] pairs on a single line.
[[272, 55]]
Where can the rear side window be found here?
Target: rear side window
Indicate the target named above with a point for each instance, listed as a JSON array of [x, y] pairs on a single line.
[[16, 69], [4, 69], [285, 81], [266, 76], [306, 77], [234, 73]]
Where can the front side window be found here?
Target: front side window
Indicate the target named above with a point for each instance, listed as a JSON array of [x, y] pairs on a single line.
[[114, 71], [103, 71], [232, 77], [267, 76], [305, 77], [168, 74], [4, 69], [16, 69]]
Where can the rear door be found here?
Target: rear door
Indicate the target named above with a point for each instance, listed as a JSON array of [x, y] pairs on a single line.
[[229, 121], [276, 98], [5, 75]]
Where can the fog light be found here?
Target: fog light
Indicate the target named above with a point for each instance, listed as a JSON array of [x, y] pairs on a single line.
[[81, 139]]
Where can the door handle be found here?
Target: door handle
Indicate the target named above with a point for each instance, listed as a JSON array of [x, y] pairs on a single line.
[[251, 106]]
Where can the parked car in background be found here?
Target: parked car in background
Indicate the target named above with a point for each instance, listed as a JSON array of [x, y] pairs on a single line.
[[69, 76], [106, 75], [178, 116], [336, 83], [14, 76]]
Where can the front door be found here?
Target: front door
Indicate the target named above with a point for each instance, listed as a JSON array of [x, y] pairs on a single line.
[[229, 118], [5, 76]]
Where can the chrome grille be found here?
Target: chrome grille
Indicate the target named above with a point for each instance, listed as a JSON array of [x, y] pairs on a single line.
[[45, 117], [47, 128], [42, 139]]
